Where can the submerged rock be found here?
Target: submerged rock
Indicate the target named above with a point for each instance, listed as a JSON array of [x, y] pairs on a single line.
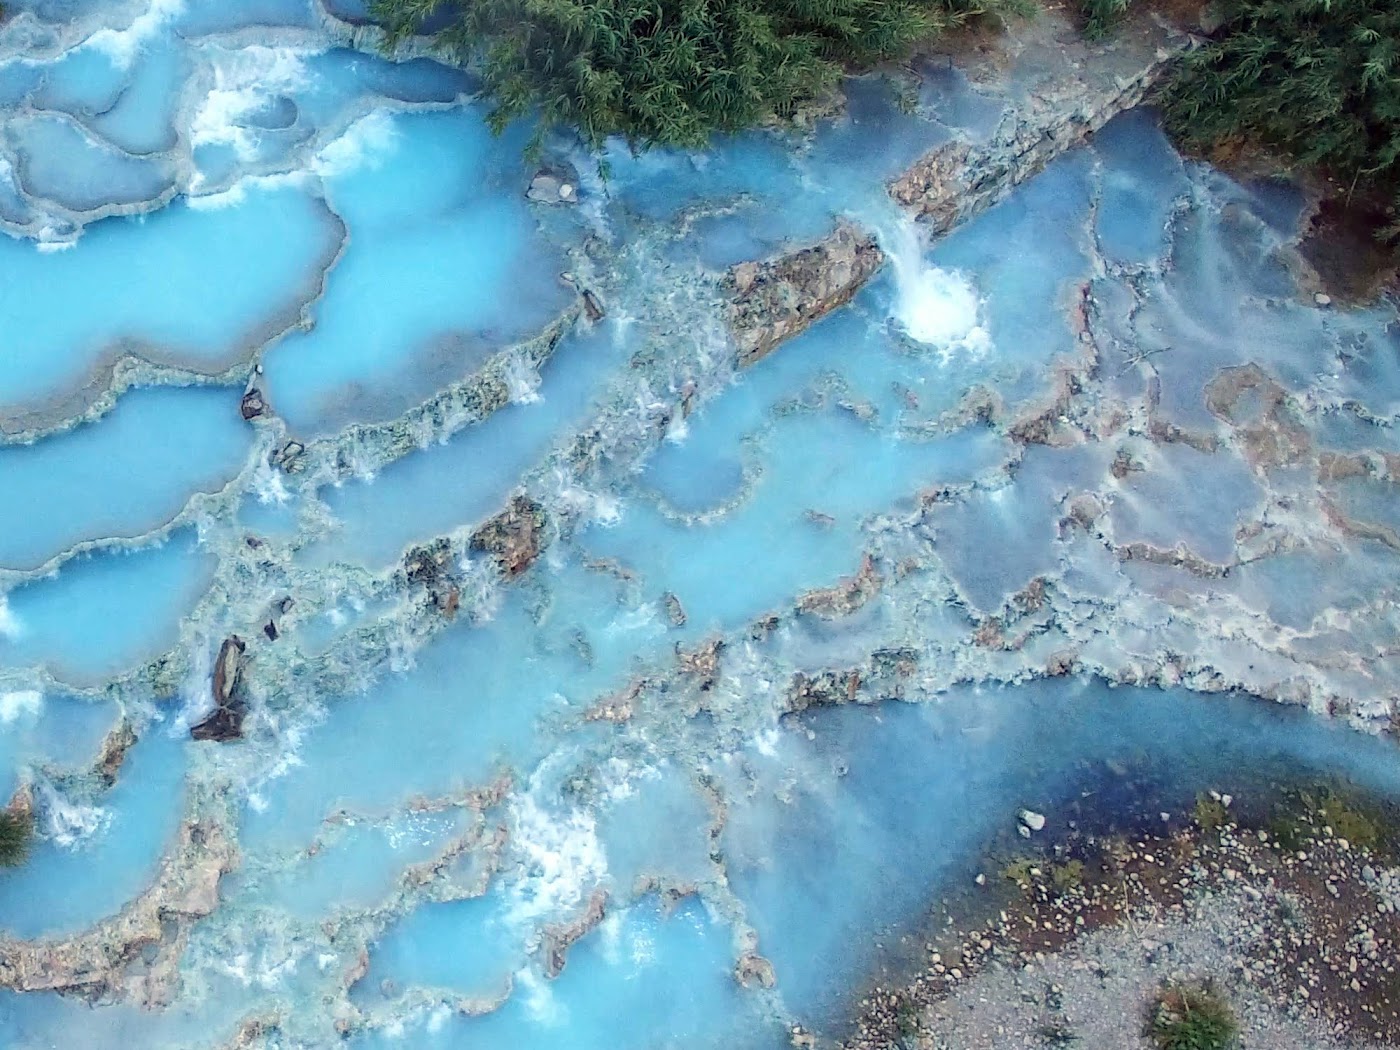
[[288, 455], [1265, 419], [702, 663], [753, 969], [675, 611], [449, 601], [824, 689], [429, 563]]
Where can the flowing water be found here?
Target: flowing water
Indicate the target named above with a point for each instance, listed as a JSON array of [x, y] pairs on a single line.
[[431, 799]]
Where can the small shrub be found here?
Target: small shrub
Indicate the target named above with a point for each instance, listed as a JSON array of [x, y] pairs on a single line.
[[1349, 819], [1068, 875], [906, 1018], [1210, 813], [16, 832], [1100, 16], [1191, 1017], [1021, 872], [1303, 814], [1057, 1034]]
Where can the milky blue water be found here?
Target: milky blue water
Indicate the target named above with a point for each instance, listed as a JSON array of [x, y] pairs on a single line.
[[435, 779]]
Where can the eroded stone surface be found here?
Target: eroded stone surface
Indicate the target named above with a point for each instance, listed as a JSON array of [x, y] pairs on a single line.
[[777, 299], [101, 963]]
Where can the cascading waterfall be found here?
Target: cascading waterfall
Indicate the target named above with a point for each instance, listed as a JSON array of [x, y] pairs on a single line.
[[937, 307], [591, 690]]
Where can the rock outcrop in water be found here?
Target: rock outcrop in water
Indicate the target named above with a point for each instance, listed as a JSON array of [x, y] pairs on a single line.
[[774, 300], [559, 937], [1071, 99], [225, 722], [514, 537], [115, 746], [1071, 92], [1069, 497], [133, 955]]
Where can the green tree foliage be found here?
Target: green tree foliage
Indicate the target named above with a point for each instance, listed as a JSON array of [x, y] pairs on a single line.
[[668, 72], [1317, 79], [16, 830]]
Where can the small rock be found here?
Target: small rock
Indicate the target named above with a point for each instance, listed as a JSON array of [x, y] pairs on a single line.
[[287, 456], [593, 306], [554, 185], [253, 404], [1322, 299], [1031, 820], [675, 611]]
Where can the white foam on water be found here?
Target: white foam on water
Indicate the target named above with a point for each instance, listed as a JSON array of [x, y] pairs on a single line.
[[66, 823], [619, 778], [268, 485], [481, 589], [438, 1019], [678, 430], [602, 508], [19, 703], [244, 80], [123, 45], [559, 857], [522, 381], [643, 947], [235, 195], [766, 741], [624, 944], [939, 308], [196, 692], [641, 619], [539, 999], [10, 626], [363, 144]]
